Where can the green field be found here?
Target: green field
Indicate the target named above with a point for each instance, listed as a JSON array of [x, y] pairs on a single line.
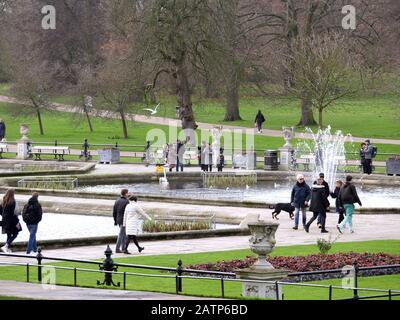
[[143, 281]]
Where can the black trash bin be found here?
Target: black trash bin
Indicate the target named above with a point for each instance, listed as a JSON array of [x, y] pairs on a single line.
[[271, 160]]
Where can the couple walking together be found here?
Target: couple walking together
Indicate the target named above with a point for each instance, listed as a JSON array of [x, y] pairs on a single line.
[[129, 216]]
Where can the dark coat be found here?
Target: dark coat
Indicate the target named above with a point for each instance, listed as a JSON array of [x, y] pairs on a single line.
[[119, 210], [9, 219], [348, 195], [301, 193], [319, 201], [2, 130], [32, 212], [259, 118], [335, 195]]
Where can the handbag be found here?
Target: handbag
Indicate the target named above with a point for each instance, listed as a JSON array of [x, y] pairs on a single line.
[[19, 227]]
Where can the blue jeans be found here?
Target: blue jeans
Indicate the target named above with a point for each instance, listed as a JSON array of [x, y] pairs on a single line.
[[296, 216], [32, 246]]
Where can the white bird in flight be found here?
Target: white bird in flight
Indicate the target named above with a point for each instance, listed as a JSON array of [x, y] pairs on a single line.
[[153, 111]]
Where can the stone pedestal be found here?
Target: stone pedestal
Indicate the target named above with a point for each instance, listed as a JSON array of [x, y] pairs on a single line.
[[262, 290], [285, 158], [22, 149]]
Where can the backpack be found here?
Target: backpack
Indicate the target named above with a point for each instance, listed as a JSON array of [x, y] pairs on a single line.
[[374, 151]]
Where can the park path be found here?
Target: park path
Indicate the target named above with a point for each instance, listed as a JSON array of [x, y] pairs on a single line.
[[177, 123], [43, 292]]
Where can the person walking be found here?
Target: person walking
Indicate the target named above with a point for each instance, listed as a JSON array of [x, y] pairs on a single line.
[[201, 155], [300, 197], [221, 162], [32, 215], [327, 192], [206, 158], [319, 203], [260, 119], [172, 156], [347, 198], [180, 146], [2, 129], [335, 195], [118, 214], [10, 223], [369, 155], [133, 222]]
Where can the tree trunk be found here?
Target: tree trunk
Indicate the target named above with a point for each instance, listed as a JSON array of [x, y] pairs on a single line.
[[320, 117], [307, 116], [184, 98], [39, 116], [123, 121], [232, 102], [88, 119]]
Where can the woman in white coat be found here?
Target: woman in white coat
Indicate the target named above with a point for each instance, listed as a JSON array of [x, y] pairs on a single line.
[[134, 217]]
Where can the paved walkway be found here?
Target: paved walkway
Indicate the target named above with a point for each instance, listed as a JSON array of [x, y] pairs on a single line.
[[43, 292], [367, 227], [177, 123]]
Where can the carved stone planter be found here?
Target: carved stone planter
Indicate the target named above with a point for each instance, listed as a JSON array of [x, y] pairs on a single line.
[[262, 242]]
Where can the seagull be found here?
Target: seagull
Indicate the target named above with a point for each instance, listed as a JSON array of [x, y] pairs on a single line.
[[153, 111]]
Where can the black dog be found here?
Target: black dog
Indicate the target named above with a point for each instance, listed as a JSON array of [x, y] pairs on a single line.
[[282, 207]]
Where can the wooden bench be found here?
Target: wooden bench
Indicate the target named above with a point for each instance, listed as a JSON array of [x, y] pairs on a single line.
[[307, 159], [57, 152], [3, 148]]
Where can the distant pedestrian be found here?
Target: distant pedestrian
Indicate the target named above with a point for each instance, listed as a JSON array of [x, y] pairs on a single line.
[[301, 194], [260, 119], [10, 223], [32, 215], [180, 146], [335, 195], [2, 129], [172, 156], [210, 158], [370, 153], [347, 198], [221, 162], [319, 204], [206, 158], [133, 222], [202, 156], [327, 192], [362, 157], [118, 214]]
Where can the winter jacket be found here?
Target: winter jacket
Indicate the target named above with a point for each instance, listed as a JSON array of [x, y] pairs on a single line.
[[319, 201], [326, 186], [259, 118], [335, 195], [119, 210], [133, 219], [2, 130], [32, 212], [348, 195], [9, 218], [369, 152], [301, 193]]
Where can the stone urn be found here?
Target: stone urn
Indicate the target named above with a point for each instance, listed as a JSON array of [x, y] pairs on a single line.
[[24, 130], [262, 242], [288, 135]]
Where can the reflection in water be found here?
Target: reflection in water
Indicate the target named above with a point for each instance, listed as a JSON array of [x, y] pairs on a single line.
[[264, 191]]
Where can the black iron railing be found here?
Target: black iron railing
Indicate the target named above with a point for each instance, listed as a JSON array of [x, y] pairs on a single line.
[[109, 268]]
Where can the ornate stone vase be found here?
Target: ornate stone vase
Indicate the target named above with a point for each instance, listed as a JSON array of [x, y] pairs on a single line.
[[24, 130], [288, 135], [262, 242]]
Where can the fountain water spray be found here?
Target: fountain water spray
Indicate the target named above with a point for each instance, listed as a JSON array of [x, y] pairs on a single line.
[[328, 152]]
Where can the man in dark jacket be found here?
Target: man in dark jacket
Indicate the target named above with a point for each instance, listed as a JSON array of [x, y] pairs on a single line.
[[32, 215], [259, 120], [180, 147], [347, 198], [2, 129], [319, 203], [368, 155], [118, 214], [300, 197], [327, 192]]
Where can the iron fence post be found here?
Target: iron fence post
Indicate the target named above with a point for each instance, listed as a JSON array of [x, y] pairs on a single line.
[[75, 276], [179, 271], [27, 272], [222, 287], [330, 292], [124, 280], [355, 294], [277, 291], [39, 258], [390, 294]]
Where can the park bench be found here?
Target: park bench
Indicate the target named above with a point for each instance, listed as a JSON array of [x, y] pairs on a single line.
[[307, 160], [3, 148], [57, 152], [190, 155]]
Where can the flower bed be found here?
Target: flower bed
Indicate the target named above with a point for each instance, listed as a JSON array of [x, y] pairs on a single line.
[[313, 262]]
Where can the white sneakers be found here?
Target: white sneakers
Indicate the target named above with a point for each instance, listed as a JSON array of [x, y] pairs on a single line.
[[6, 249]]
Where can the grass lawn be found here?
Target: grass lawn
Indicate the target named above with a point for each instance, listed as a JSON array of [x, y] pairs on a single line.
[[212, 288], [67, 128]]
